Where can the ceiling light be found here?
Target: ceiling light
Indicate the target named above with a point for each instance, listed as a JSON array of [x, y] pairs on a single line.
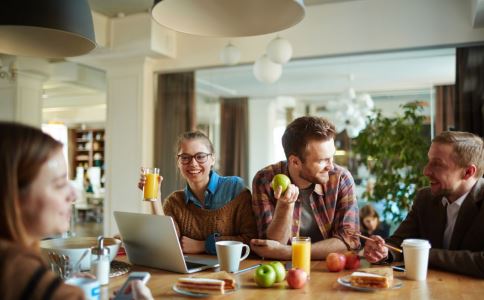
[[230, 55], [7, 72], [47, 28], [279, 50], [266, 71], [228, 18]]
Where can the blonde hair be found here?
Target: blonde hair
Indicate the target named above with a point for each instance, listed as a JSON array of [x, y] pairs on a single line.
[[194, 135], [23, 151], [468, 148]]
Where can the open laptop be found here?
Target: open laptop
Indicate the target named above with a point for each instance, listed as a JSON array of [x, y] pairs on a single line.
[[151, 240]]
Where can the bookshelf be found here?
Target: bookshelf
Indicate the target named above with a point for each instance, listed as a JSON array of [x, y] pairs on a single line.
[[86, 149]]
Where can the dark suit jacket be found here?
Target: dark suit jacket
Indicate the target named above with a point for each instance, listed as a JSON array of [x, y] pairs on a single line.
[[427, 220]]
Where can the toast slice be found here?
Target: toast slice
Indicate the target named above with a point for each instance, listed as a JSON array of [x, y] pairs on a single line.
[[222, 275], [201, 285], [217, 283], [381, 277]]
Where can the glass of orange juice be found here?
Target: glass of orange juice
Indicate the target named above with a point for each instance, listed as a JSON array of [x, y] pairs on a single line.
[[301, 253], [150, 190]]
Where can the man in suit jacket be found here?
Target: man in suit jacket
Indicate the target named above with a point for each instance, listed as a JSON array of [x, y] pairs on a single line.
[[449, 213]]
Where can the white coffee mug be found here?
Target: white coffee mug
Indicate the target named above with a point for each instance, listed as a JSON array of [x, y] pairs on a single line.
[[229, 255], [90, 287], [416, 256]]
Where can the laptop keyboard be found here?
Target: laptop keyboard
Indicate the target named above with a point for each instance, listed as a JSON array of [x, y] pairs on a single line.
[[193, 265]]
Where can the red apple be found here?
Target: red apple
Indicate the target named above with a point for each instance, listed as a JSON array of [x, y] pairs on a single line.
[[352, 260], [296, 278], [335, 262]]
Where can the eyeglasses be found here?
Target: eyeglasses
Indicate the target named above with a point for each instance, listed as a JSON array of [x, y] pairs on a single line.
[[200, 157]]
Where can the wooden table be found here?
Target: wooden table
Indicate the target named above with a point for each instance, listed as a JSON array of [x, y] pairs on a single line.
[[322, 285]]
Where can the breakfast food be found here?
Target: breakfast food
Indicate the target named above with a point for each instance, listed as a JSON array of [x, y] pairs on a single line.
[[372, 277], [215, 283]]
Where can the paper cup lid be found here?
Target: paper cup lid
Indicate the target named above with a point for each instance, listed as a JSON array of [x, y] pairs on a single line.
[[416, 243]]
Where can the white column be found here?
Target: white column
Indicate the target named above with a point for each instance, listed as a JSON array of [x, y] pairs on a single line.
[[20, 95], [129, 136], [262, 121]]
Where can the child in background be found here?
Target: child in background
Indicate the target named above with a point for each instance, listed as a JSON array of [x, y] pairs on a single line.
[[370, 223]]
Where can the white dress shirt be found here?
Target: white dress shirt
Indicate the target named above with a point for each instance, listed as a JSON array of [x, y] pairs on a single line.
[[452, 212]]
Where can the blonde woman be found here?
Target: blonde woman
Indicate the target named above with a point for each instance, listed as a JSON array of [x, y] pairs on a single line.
[[211, 207]]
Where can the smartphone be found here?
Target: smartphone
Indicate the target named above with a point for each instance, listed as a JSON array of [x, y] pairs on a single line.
[[125, 292]]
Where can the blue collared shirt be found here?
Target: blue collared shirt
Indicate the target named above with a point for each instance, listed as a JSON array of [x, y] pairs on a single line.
[[220, 191]]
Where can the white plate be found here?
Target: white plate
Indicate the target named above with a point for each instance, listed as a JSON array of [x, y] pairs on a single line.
[[345, 281], [198, 295]]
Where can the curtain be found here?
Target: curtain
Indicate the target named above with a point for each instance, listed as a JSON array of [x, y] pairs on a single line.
[[444, 108], [175, 114], [234, 137], [469, 90]]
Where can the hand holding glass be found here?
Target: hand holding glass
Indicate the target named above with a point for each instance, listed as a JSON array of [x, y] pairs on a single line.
[[152, 182]]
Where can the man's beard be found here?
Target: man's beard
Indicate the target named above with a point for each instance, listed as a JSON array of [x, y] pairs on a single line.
[[321, 179], [441, 193]]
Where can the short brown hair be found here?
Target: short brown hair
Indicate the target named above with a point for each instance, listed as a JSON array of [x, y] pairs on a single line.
[[304, 129], [23, 151], [468, 148]]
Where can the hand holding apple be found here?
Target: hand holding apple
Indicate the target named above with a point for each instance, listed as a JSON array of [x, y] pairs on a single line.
[[335, 262], [352, 260], [280, 180], [296, 278], [265, 276]]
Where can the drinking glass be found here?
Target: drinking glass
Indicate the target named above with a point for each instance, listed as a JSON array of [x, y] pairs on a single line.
[[301, 253], [150, 190]]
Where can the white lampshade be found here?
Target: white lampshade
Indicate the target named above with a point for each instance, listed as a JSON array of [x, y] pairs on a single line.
[[266, 71], [230, 55], [279, 50], [228, 18]]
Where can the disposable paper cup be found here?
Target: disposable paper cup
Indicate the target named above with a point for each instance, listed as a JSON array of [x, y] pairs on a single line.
[[416, 256], [90, 287]]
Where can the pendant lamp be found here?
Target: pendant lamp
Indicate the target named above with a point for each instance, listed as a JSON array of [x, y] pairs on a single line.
[[228, 18], [47, 28]]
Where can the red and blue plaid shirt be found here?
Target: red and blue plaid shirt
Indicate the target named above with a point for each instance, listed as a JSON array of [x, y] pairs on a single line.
[[334, 204]]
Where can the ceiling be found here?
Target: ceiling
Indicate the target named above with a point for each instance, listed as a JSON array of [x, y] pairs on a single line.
[[113, 8], [313, 79], [319, 78]]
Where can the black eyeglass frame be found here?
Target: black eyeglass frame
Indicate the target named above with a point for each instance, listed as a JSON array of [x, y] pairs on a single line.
[[189, 158]]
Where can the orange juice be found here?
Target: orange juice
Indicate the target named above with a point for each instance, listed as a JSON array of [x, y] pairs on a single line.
[[301, 253], [150, 191]]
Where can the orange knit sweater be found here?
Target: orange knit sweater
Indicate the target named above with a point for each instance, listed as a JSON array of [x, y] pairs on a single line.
[[234, 221]]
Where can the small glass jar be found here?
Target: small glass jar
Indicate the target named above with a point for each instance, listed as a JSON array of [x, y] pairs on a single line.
[[100, 262]]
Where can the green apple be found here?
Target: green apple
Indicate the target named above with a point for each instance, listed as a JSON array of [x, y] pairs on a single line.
[[280, 180], [265, 276], [279, 269]]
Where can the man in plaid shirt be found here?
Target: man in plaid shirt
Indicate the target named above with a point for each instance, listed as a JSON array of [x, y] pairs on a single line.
[[320, 202]]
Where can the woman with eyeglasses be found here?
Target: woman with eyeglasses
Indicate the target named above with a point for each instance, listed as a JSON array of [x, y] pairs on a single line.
[[210, 207]]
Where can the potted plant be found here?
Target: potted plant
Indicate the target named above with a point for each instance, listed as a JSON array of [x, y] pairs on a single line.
[[395, 151]]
